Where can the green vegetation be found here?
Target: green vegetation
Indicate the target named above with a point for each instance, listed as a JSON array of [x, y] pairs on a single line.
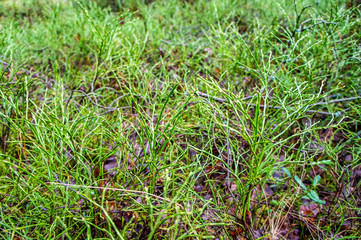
[[129, 119]]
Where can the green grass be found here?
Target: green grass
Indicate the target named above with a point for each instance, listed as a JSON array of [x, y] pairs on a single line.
[[128, 119]]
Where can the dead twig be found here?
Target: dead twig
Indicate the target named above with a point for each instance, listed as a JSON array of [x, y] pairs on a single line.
[[321, 21], [68, 186], [336, 101], [42, 77], [221, 100], [111, 189]]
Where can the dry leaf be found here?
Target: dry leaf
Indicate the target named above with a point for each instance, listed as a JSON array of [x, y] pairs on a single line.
[[309, 212]]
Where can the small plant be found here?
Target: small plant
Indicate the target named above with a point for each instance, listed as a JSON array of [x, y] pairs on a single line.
[[310, 194]]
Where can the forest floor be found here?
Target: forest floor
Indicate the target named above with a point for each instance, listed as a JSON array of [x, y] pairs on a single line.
[[129, 119]]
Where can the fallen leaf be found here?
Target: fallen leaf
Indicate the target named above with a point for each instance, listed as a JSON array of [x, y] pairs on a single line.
[[309, 212], [110, 165]]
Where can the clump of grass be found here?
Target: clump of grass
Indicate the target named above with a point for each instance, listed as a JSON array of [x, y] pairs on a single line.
[[179, 119]]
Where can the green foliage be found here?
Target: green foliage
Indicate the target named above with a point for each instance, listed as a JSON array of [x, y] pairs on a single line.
[[174, 119]]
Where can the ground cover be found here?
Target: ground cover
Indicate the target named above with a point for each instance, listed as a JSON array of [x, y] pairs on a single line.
[[222, 119]]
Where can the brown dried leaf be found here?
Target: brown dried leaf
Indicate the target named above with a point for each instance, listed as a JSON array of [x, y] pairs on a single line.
[[110, 165], [309, 212], [233, 187]]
